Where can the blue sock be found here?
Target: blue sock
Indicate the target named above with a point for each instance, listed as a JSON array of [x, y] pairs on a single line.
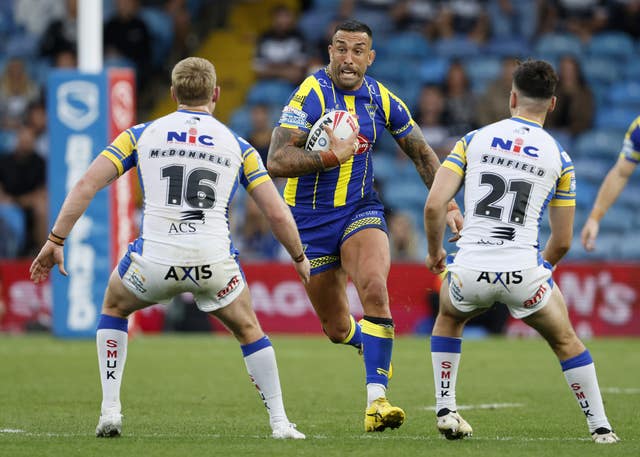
[[377, 339], [354, 338], [115, 323]]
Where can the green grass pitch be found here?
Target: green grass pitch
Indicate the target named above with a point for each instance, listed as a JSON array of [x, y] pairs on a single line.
[[191, 396]]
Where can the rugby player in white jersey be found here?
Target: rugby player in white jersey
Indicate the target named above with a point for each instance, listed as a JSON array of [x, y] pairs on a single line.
[[511, 171], [189, 165]]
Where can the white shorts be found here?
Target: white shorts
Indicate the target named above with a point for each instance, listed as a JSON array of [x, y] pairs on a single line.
[[213, 286], [523, 292]]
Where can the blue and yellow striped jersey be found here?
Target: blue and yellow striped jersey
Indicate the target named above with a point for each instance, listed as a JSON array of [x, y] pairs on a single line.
[[631, 145], [376, 108]]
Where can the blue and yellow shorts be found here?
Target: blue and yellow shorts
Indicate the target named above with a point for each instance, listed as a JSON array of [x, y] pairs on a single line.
[[323, 231]]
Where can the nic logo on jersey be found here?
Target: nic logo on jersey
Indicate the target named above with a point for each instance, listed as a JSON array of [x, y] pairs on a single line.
[[190, 137]]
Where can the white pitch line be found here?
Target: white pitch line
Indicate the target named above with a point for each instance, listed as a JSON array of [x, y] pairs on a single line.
[[483, 406], [11, 430], [621, 390]]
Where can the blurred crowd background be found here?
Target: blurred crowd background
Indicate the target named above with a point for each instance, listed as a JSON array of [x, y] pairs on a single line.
[[449, 60]]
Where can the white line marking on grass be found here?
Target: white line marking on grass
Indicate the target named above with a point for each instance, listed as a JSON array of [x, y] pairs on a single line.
[[483, 406], [11, 430], [621, 390]]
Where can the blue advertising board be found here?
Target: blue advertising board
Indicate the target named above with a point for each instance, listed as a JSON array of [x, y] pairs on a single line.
[[77, 109]]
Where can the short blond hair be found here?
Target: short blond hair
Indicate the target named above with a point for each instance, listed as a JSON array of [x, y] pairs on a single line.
[[193, 80]]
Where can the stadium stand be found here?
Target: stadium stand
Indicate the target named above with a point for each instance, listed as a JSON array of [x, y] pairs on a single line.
[[406, 60]]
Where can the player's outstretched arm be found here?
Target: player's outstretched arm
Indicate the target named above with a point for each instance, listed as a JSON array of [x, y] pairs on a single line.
[[561, 223], [288, 158], [445, 185], [608, 193], [100, 173], [427, 164], [282, 224]]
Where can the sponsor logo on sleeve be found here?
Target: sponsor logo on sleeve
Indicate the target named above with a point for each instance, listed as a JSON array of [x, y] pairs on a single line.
[[293, 116]]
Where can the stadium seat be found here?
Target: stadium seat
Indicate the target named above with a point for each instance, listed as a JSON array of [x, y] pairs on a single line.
[[591, 169], [615, 117], [558, 44], [616, 45], [625, 93], [387, 70], [408, 44], [599, 143], [161, 29], [7, 141], [506, 47], [586, 194], [617, 219], [240, 121], [269, 92], [632, 70], [599, 69], [433, 70], [483, 69], [12, 217], [457, 47], [314, 23]]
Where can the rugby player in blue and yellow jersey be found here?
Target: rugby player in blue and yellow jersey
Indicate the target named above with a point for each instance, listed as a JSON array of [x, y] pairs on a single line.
[[338, 213]]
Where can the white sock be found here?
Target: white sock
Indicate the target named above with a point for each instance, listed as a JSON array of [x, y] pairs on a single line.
[[263, 371], [112, 355], [445, 358], [375, 391], [583, 383]]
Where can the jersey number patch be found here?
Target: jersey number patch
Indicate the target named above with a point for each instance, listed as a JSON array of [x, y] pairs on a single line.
[[499, 187], [199, 191]]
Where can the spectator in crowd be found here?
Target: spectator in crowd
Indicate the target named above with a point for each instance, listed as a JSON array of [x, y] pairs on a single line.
[[261, 128], [37, 119], [127, 35], [23, 181], [34, 15], [403, 238], [575, 106], [66, 59], [466, 18], [494, 102], [430, 117], [582, 18], [281, 51], [460, 105], [61, 35], [17, 90], [624, 15]]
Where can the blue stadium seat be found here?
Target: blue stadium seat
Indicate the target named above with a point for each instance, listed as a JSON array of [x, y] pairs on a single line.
[[615, 117], [616, 45], [599, 69], [599, 143], [483, 69], [591, 169], [630, 246], [433, 70], [7, 141], [161, 29], [507, 47], [625, 93], [409, 44], [386, 70], [617, 219], [313, 23], [240, 121], [269, 92], [558, 44], [12, 218], [457, 47], [631, 70]]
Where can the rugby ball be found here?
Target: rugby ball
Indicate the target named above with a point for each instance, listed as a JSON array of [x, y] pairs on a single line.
[[341, 122]]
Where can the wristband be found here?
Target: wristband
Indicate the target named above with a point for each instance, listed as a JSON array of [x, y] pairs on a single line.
[[56, 236], [329, 159], [55, 242], [299, 258]]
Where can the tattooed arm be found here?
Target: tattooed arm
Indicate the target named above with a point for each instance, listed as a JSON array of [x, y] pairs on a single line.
[[425, 159], [427, 164], [287, 157]]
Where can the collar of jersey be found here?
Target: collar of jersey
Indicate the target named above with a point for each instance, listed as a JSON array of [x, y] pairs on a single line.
[[526, 121], [193, 112]]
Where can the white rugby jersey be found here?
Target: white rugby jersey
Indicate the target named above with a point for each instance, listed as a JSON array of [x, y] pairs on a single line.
[[512, 170], [189, 165]]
